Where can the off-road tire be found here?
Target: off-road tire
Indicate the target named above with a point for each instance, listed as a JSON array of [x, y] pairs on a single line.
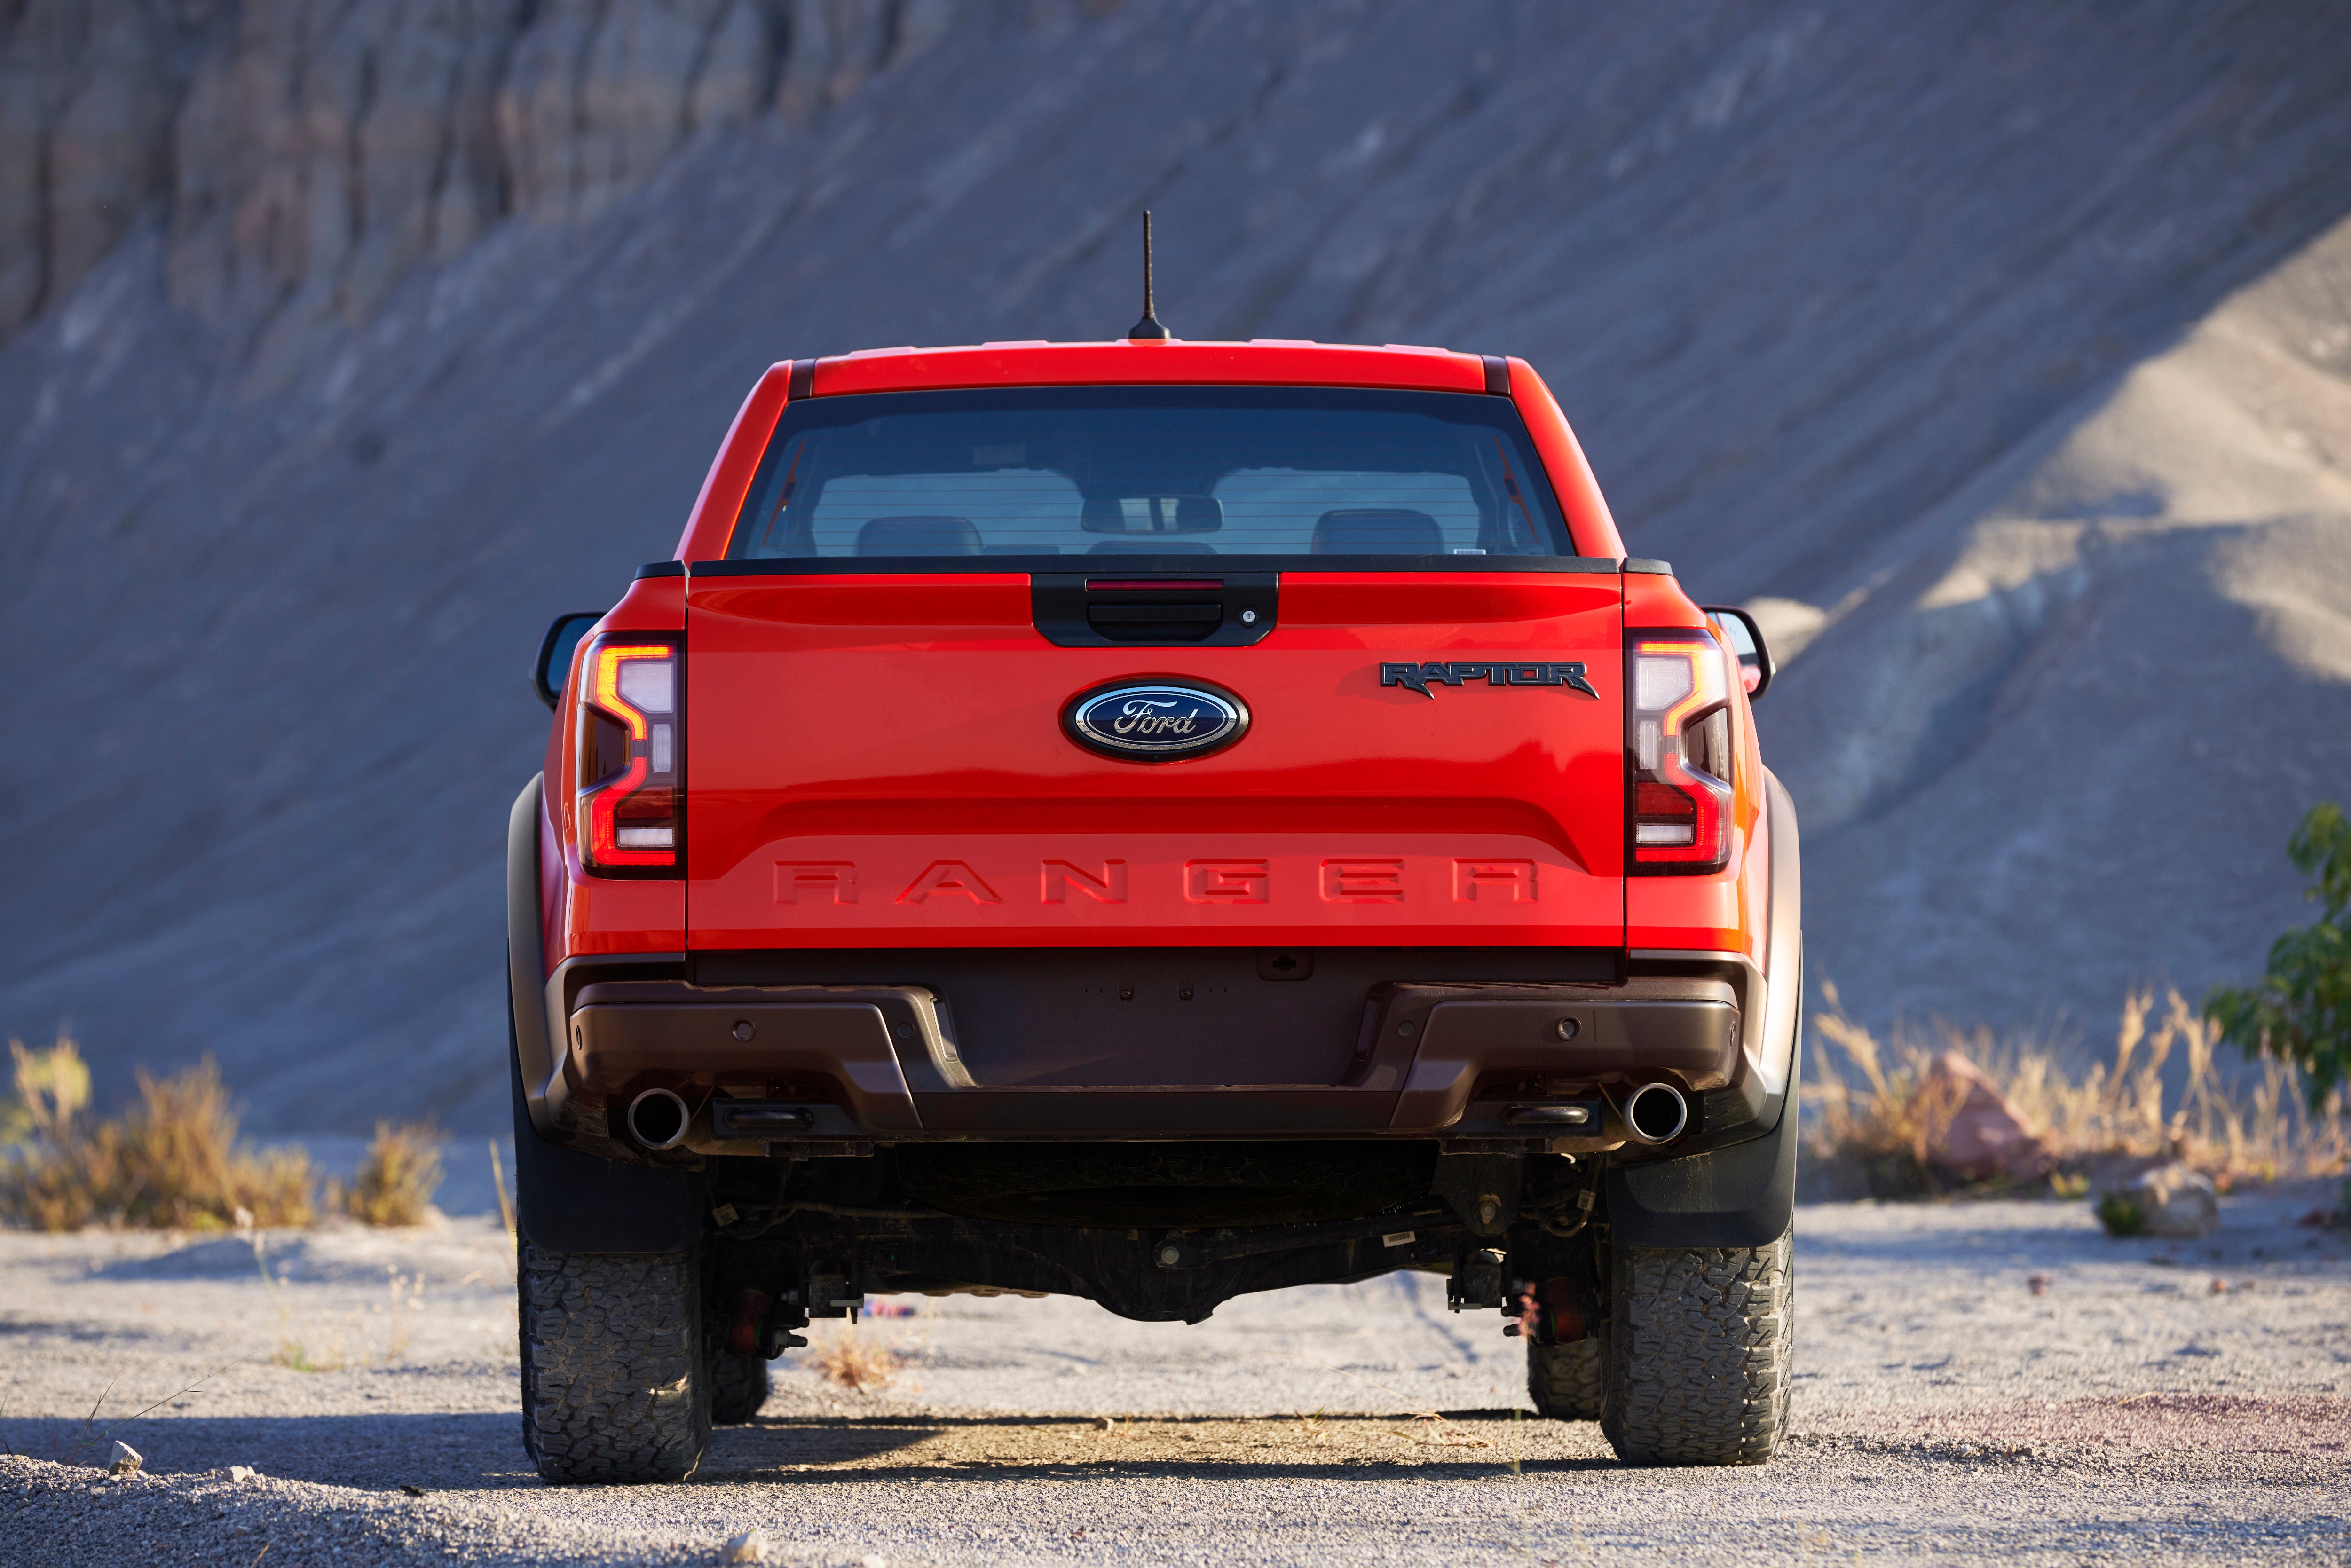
[[1566, 1381], [738, 1386], [1699, 1348], [614, 1387]]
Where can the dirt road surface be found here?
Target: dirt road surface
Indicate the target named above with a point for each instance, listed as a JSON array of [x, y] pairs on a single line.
[[2165, 1402]]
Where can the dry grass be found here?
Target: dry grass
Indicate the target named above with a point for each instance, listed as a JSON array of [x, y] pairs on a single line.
[[395, 1182], [856, 1362], [52, 1088], [332, 1343], [1877, 1116], [170, 1163]]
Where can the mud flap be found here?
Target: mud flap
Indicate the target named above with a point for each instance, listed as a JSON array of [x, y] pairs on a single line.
[[1740, 1196], [565, 1201]]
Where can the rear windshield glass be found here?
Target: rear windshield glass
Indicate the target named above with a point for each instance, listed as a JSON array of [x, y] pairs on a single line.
[[1160, 471]]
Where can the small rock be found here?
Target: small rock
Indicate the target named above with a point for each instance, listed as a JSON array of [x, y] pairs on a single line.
[[751, 1546], [127, 1460], [241, 1473], [1985, 1136], [1105, 1424], [410, 1489], [2038, 1284], [2169, 1200], [2217, 1288]]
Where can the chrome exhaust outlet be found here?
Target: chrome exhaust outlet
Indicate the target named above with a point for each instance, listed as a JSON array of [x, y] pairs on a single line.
[[1655, 1114], [658, 1119]]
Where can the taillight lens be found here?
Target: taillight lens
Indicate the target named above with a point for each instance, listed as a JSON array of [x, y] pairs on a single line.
[[1677, 756], [631, 803]]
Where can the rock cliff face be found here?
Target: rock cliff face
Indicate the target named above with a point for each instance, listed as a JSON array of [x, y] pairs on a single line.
[[305, 154], [2002, 348]]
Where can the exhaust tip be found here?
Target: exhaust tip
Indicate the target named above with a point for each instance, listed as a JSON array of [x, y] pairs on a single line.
[[657, 1119], [1655, 1114]]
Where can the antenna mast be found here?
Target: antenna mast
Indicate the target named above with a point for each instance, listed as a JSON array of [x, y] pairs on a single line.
[[1149, 327]]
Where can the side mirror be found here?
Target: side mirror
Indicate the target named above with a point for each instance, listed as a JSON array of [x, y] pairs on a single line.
[[555, 650], [1755, 666]]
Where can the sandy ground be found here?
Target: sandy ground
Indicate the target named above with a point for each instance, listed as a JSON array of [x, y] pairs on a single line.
[[1946, 1411]]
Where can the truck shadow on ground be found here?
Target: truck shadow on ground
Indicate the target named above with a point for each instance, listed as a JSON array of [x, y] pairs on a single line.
[[1352, 1446], [483, 1452]]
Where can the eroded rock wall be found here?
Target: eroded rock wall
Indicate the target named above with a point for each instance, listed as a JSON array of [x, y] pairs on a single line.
[[1929, 323], [303, 154]]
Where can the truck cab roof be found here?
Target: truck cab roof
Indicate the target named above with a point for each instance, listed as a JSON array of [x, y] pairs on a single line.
[[1261, 361], [1168, 362]]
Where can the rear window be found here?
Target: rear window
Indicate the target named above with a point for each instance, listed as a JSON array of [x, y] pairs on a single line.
[[1157, 471]]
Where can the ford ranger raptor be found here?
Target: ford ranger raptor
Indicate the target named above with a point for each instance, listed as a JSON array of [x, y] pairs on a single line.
[[1152, 821]]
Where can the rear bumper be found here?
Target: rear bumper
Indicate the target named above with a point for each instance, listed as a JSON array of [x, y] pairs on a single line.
[[787, 1065], [823, 1052]]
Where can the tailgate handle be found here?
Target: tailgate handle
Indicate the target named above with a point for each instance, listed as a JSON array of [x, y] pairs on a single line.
[[1154, 614], [1141, 610]]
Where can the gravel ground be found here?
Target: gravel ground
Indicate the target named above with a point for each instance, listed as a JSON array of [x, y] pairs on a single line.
[[1946, 1409]]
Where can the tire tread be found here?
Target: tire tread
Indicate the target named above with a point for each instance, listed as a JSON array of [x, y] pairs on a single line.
[[1566, 1382], [612, 1389], [1701, 1347], [739, 1386]]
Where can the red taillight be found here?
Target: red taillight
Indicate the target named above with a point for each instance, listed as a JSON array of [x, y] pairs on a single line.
[[1677, 756], [632, 800]]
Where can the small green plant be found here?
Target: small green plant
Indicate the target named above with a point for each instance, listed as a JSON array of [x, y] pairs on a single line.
[[2300, 1013], [2121, 1216]]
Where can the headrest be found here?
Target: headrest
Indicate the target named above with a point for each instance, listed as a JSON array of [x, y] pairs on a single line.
[[1373, 531], [918, 536]]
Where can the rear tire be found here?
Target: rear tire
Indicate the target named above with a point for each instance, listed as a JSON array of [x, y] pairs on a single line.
[[1701, 1346], [613, 1388], [1566, 1381], [739, 1385]]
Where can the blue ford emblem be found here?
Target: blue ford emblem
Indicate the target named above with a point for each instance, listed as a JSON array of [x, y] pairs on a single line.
[[1156, 721]]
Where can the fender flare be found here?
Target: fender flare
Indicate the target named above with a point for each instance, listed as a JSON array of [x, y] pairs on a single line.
[[1743, 1193], [566, 1201]]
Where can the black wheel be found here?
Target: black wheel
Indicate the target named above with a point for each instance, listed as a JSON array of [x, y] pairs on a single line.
[[1565, 1381], [1699, 1348], [613, 1388], [738, 1386]]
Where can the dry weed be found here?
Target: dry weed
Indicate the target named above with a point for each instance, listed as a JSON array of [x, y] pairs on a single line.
[[1881, 1120], [405, 1294], [331, 1344], [854, 1362], [52, 1086], [396, 1181], [170, 1163]]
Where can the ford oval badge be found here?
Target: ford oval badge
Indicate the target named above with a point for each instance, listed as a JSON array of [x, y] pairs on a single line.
[[1156, 721]]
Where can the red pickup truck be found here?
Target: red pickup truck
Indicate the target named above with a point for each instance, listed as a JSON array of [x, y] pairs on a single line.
[[1152, 821]]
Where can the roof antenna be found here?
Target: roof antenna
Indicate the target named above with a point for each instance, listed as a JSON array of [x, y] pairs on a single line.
[[1149, 326]]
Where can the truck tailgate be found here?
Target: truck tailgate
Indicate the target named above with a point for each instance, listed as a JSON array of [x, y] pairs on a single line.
[[879, 761]]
